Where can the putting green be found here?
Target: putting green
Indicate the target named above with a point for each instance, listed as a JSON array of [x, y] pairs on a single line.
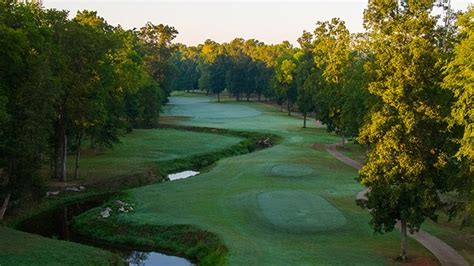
[[299, 212], [291, 170]]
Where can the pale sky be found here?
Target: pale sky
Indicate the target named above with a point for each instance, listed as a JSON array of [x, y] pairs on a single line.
[[264, 20]]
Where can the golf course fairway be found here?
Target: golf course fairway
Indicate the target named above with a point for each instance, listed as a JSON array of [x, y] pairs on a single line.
[[290, 204]]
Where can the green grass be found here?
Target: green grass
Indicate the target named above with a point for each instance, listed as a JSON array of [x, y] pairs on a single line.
[[18, 248], [319, 221], [355, 151], [141, 150]]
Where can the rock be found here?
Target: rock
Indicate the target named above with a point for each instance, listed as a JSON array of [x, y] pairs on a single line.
[[52, 193], [105, 213], [266, 142], [75, 188]]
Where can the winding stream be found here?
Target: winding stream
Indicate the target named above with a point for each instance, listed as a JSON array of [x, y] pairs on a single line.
[[57, 224]]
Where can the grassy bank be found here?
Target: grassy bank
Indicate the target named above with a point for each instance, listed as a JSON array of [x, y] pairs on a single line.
[[180, 240], [18, 248]]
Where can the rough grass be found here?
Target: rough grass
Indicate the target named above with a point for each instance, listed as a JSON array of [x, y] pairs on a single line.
[[142, 149], [19, 248], [354, 151], [224, 200]]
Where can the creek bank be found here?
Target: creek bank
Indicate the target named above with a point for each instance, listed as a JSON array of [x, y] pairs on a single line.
[[182, 240], [57, 224]]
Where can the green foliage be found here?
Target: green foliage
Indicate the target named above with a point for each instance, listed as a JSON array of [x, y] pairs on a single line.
[[409, 157], [156, 41], [63, 80], [460, 80]]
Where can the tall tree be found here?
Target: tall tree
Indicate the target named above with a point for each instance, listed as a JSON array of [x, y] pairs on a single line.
[[306, 78], [156, 40], [460, 80], [26, 93], [331, 49], [405, 168]]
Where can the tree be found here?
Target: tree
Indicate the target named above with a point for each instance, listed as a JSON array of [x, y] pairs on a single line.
[[405, 170], [356, 99], [285, 71], [331, 50], [459, 80], [156, 41], [213, 67], [306, 79], [26, 93]]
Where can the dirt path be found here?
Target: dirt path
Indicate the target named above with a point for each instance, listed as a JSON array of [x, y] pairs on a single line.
[[442, 251]]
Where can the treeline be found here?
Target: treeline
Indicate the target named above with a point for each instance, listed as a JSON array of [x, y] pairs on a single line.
[[404, 88], [324, 77], [64, 81]]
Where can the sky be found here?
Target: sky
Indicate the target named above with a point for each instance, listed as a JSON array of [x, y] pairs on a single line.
[[265, 20]]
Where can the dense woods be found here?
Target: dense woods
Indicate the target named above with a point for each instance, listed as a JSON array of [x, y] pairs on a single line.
[[64, 81], [404, 88]]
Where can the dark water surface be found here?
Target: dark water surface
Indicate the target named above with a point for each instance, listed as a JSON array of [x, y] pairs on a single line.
[[57, 224]]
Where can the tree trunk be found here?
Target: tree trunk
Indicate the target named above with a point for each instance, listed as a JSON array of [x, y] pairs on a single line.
[[66, 223], [289, 107], [248, 97], [61, 151], [259, 95], [304, 120], [343, 140], [403, 240], [218, 96], [4, 206], [78, 154]]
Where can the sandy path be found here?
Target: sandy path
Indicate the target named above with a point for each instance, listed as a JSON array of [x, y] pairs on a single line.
[[442, 251]]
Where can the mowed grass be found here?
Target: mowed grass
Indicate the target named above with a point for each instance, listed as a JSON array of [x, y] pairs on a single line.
[[18, 248], [234, 200], [143, 149]]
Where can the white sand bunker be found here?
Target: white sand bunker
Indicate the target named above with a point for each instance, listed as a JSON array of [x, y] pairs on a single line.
[[182, 175], [291, 170]]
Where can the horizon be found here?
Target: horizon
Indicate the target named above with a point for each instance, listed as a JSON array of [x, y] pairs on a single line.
[[268, 21]]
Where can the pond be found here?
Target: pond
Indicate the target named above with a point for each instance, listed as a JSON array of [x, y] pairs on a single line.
[[57, 224]]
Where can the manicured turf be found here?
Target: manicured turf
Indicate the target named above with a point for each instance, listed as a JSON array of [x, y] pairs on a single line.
[[290, 204], [299, 212], [142, 149], [18, 248]]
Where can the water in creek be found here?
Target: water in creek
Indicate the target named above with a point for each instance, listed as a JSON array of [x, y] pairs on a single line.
[[57, 224]]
